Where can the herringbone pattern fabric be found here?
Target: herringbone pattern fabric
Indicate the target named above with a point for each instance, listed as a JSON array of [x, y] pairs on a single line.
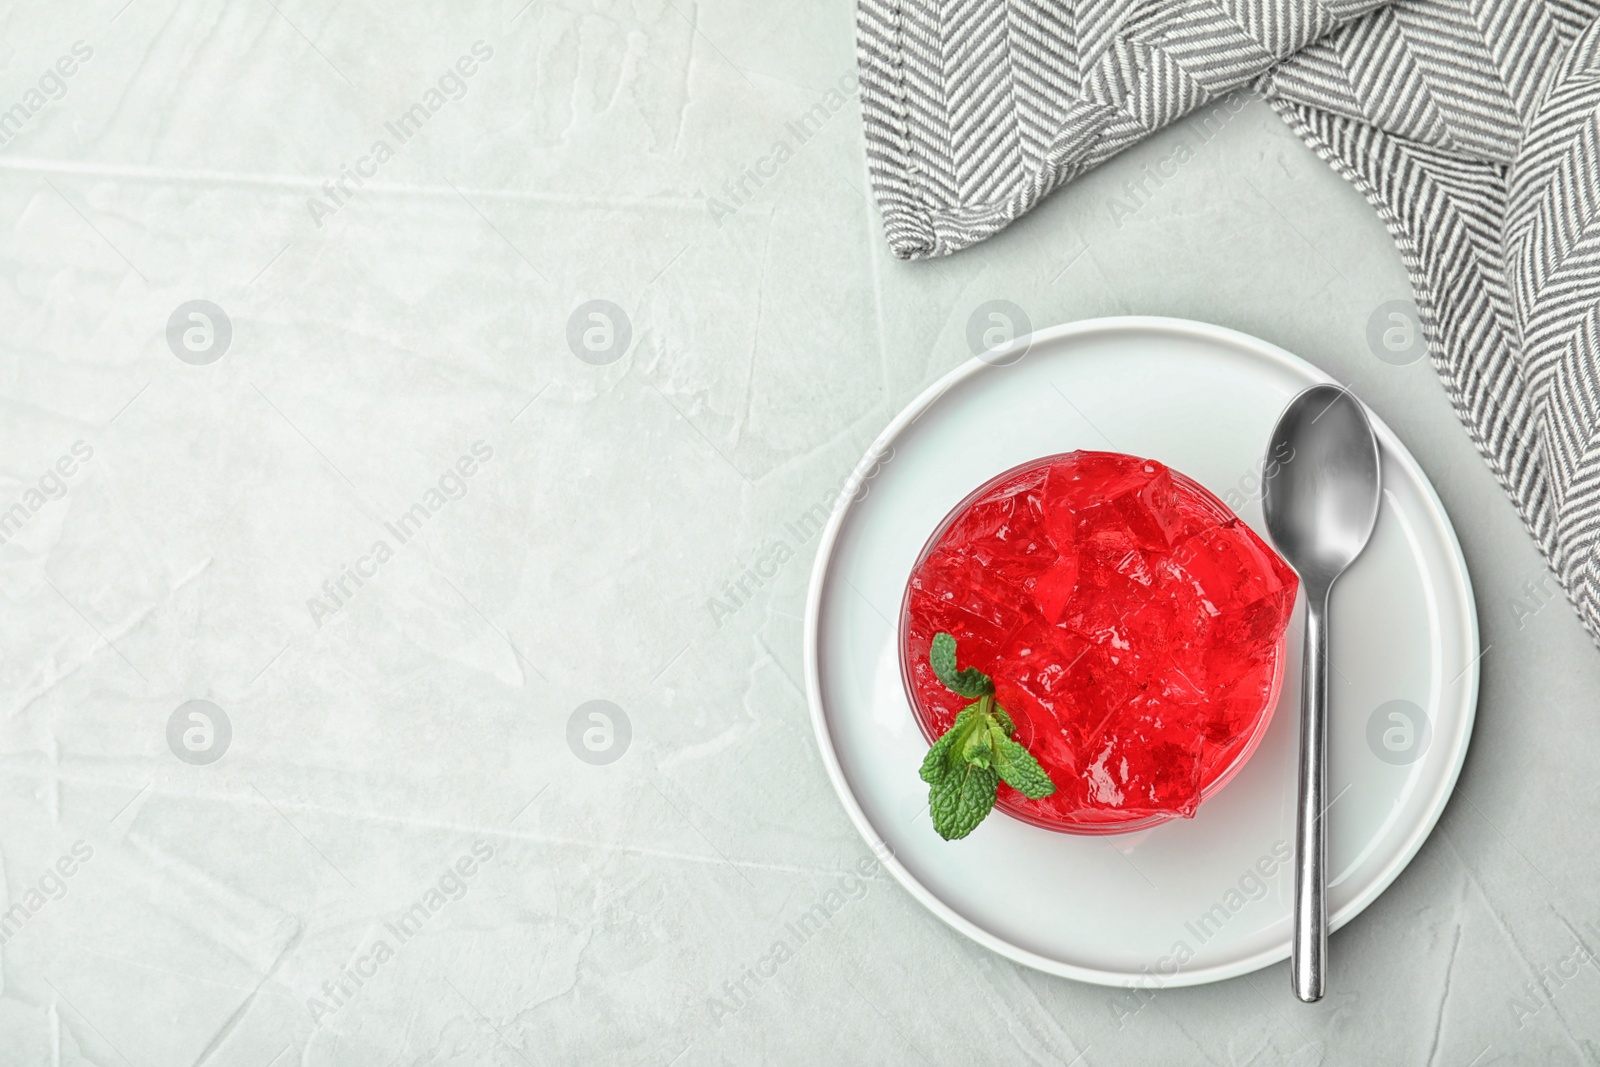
[[1472, 126]]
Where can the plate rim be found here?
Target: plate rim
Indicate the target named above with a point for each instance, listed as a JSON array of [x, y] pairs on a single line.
[[1011, 353]]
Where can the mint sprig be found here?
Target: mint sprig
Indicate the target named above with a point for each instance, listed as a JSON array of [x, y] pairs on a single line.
[[966, 765]]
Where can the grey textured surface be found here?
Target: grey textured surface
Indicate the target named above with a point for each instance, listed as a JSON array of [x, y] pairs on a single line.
[[772, 335]]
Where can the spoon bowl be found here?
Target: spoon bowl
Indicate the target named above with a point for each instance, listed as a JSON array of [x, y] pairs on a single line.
[[1322, 501], [1321, 493]]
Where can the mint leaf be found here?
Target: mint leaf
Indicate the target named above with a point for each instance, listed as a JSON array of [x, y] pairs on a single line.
[[970, 683], [979, 747], [944, 757], [1017, 767], [1003, 719], [960, 800]]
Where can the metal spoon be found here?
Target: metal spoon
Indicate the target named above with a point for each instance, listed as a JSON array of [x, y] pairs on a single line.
[[1321, 492]]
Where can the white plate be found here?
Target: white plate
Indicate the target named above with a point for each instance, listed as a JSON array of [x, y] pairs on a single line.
[[1193, 900]]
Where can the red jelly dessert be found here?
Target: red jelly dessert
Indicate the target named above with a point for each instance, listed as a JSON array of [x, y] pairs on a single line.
[[1132, 624]]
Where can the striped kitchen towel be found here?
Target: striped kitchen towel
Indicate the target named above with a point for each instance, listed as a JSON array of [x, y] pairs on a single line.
[[1472, 127]]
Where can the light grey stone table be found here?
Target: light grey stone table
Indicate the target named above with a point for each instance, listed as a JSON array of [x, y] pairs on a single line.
[[370, 504]]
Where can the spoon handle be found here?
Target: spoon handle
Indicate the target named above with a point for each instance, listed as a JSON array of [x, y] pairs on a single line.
[[1311, 850]]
